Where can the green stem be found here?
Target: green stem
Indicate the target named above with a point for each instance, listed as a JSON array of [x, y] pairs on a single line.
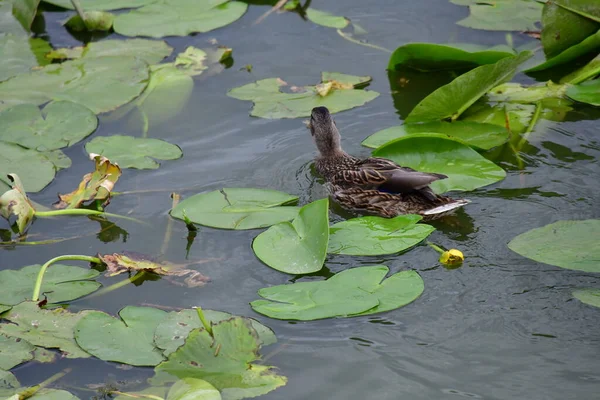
[[38, 282], [136, 395], [350, 38], [534, 120], [83, 211], [79, 9], [205, 323], [520, 162], [435, 247], [117, 285], [29, 392]]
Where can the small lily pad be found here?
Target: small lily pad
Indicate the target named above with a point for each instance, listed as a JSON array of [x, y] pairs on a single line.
[[61, 283], [131, 152], [237, 208], [565, 244], [128, 340], [193, 389], [179, 17], [466, 169], [297, 247], [326, 19], [355, 291], [372, 236], [475, 134], [588, 296], [33, 167], [59, 124], [336, 91], [586, 92], [58, 158], [151, 51], [501, 15], [20, 54], [14, 351]]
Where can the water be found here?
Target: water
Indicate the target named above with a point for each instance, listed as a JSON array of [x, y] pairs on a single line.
[[499, 327]]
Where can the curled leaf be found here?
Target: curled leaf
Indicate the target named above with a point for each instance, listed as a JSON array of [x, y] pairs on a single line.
[[15, 202]]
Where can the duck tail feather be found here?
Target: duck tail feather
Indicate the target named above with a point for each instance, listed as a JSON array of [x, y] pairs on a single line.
[[446, 207]]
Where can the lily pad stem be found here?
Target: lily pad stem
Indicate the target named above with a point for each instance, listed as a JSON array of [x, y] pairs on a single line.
[[435, 247], [29, 392], [83, 211], [117, 285], [79, 9], [534, 120], [38, 282], [205, 323]]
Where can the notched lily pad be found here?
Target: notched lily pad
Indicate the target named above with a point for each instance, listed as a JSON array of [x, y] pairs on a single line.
[[15, 202], [337, 92], [131, 152]]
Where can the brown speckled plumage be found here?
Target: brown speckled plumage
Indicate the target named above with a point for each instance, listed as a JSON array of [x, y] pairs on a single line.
[[374, 185]]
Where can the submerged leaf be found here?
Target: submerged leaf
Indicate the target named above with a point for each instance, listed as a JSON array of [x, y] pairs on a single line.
[[15, 202], [588, 296], [326, 19], [297, 247], [501, 15], [237, 208], [355, 291], [192, 61]]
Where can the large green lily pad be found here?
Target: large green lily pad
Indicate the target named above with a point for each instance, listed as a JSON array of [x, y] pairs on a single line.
[[475, 134], [45, 328], [372, 236], [61, 283], [171, 333], [128, 340], [151, 51], [193, 389], [33, 167], [466, 169], [20, 53], [179, 17], [572, 53], [501, 15], [100, 83], [225, 360], [297, 247], [326, 19], [337, 92], [451, 100], [102, 5], [14, 351], [355, 291], [434, 57], [586, 92], [565, 244], [59, 124], [131, 152], [237, 208], [588, 296]]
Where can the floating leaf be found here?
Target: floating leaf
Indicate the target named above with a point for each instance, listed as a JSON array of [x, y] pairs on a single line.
[[466, 169], [19, 54], [94, 187], [434, 57], [518, 115], [8, 383], [102, 5], [193, 389], [565, 244], [15, 202], [501, 15], [297, 247], [59, 124], [355, 291], [372, 236], [586, 92], [58, 158], [100, 84], [475, 134], [572, 53], [171, 333], [131, 152], [128, 340], [4, 308], [451, 100], [179, 17], [237, 208], [46, 328], [14, 351], [588, 296], [151, 51], [31, 166], [326, 19], [61, 283], [224, 360], [271, 102], [94, 21]]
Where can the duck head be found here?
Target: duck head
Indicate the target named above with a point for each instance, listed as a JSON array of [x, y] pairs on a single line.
[[324, 132]]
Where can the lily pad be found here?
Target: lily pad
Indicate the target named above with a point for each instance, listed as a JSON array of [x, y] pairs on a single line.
[[4, 308], [337, 92], [297, 247], [15, 202], [179, 17], [100, 84], [45, 328], [193, 389], [61, 283], [475, 134], [131, 152], [501, 15], [588, 296], [8, 23], [451, 100], [58, 158], [33, 167], [373, 236], [586, 92], [572, 53], [24, 11], [171, 333], [102, 5], [565, 244], [128, 340], [59, 124], [326, 19], [14, 351], [225, 360], [237, 208], [20, 53], [466, 169], [94, 21], [151, 51], [435, 57], [355, 291]]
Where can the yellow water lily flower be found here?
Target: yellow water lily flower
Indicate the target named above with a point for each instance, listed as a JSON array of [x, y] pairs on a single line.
[[452, 257]]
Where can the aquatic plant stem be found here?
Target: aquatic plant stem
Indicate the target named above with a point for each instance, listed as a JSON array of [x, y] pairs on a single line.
[[83, 211], [351, 39], [117, 285], [79, 9], [435, 247], [205, 323], [38, 282], [29, 392], [534, 119], [169, 230]]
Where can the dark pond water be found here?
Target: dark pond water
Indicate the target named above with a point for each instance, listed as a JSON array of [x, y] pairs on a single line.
[[499, 327]]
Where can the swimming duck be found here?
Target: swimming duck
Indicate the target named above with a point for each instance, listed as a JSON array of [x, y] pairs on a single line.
[[374, 185]]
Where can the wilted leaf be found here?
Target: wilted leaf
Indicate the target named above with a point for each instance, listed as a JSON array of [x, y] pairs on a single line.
[[151, 51], [94, 21], [501, 15], [326, 19], [355, 291], [15, 202]]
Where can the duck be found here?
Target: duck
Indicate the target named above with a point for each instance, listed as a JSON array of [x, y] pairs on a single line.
[[375, 186]]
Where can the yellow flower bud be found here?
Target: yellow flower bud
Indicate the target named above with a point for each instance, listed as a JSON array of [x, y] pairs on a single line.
[[452, 257]]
